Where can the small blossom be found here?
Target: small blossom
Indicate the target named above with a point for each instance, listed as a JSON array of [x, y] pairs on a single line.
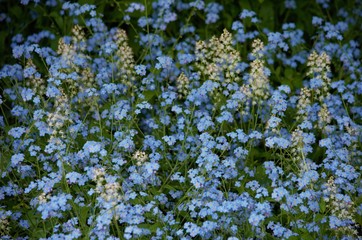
[[16, 159], [17, 132], [140, 157], [140, 70]]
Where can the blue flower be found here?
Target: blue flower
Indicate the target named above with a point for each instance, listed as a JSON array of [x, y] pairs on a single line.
[[279, 231], [168, 97], [192, 229], [185, 58], [278, 142], [17, 132], [290, 4], [317, 21], [279, 193], [212, 12], [140, 70], [225, 116], [27, 94], [142, 105], [120, 110], [177, 177], [255, 219], [204, 123], [16, 159], [135, 7], [170, 140], [240, 152], [151, 167], [199, 4], [92, 147], [176, 109], [164, 62], [273, 122], [308, 177], [324, 3], [52, 91], [276, 40], [54, 206], [19, 111], [247, 14], [74, 177], [316, 83]]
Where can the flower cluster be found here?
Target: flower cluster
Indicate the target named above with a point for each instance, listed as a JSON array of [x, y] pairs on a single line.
[[146, 124], [258, 79], [342, 209]]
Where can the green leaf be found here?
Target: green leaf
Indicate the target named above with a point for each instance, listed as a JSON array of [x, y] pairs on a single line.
[[83, 216], [294, 238], [58, 19], [318, 217], [266, 13], [303, 230], [307, 236], [150, 94], [289, 73], [38, 233], [152, 227], [277, 71], [16, 11], [322, 205]]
